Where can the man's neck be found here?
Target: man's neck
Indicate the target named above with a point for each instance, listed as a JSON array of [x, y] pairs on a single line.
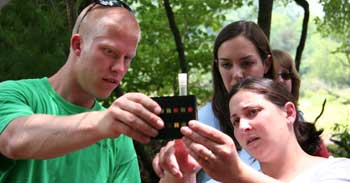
[[65, 84]]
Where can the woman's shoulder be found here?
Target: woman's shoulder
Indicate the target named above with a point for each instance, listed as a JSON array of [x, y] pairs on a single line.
[[331, 169], [206, 116], [332, 164], [335, 169]]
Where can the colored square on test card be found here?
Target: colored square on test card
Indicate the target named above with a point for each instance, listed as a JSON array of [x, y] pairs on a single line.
[[178, 111]]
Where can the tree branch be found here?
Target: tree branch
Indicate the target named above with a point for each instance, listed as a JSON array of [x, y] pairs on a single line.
[[264, 16], [305, 5], [71, 15], [3, 3], [176, 34], [322, 110]]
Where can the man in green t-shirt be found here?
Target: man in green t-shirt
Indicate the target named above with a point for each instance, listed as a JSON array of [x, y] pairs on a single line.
[[53, 130]]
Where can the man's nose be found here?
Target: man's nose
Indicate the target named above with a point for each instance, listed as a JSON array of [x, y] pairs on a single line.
[[119, 65]]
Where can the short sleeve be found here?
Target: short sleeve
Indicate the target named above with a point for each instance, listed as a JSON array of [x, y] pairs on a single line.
[[13, 103]]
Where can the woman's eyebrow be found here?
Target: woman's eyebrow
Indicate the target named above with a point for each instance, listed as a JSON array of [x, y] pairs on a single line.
[[224, 59], [233, 116], [246, 57]]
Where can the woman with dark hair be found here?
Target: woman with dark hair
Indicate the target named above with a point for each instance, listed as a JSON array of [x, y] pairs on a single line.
[[287, 74], [264, 116], [241, 50]]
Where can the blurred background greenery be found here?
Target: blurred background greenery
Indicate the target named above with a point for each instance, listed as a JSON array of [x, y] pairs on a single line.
[[34, 42]]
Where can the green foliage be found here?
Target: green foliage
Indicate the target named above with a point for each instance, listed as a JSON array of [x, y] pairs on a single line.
[[33, 38], [320, 57], [336, 19], [155, 68], [336, 117], [323, 63], [336, 23], [337, 108], [285, 29], [341, 140], [34, 42]]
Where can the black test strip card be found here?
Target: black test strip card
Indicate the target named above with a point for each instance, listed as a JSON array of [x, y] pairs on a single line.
[[177, 111]]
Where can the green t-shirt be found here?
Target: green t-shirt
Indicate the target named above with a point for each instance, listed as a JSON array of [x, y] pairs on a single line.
[[109, 160]]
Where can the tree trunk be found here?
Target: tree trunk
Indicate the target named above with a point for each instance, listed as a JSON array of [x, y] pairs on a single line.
[[305, 5], [177, 36], [264, 16], [3, 3], [71, 15]]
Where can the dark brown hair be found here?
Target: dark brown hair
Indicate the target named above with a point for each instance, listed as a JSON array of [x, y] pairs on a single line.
[[307, 135], [253, 33]]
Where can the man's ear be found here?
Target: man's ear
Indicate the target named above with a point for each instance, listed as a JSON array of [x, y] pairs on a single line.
[[268, 63], [75, 42], [291, 113]]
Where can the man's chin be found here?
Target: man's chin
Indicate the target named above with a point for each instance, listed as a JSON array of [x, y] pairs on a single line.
[[104, 96]]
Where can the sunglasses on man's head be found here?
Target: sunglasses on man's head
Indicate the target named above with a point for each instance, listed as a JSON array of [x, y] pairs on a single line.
[[108, 3], [113, 3], [285, 75]]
